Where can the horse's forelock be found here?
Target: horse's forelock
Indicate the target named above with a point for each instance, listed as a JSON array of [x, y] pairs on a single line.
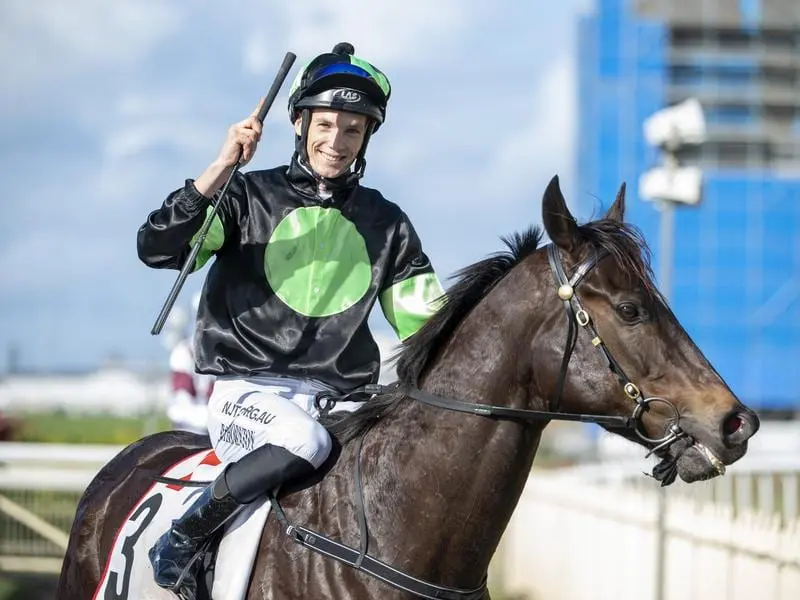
[[626, 246]]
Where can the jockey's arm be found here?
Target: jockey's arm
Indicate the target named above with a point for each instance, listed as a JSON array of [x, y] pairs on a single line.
[[412, 293], [166, 237]]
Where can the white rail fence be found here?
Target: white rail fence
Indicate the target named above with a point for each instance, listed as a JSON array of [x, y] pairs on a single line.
[[39, 489], [593, 534]]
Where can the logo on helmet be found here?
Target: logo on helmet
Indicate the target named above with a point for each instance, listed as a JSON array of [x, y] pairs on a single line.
[[347, 96]]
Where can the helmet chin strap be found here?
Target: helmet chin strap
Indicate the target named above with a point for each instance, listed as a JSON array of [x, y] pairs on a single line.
[[301, 142], [361, 162]]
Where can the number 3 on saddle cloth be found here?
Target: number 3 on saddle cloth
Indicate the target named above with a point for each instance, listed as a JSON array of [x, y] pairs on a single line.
[[128, 574]]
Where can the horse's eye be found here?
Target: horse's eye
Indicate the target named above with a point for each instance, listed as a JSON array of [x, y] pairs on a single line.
[[628, 311]]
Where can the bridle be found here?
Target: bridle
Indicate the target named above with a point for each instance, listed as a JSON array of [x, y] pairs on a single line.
[[577, 315]]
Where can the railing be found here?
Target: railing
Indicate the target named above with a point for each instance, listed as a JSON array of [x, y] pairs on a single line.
[[593, 533], [40, 485]]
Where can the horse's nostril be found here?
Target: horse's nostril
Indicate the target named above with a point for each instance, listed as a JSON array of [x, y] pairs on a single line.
[[732, 424]]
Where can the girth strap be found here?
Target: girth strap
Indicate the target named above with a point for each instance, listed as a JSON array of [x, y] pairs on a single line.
[[360, 559], [372, 566]]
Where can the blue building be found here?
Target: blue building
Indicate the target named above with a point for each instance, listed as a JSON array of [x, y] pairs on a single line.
[[736, 269]]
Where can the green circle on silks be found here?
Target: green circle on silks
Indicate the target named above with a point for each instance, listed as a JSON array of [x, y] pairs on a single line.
[[316, 262]]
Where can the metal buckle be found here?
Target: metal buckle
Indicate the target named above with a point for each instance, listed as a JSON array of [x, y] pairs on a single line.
[[582, 317], [324, 401], [631, 391]]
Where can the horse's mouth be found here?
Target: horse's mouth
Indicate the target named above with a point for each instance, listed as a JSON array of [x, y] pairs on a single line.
[[689, 459], [715, 462]]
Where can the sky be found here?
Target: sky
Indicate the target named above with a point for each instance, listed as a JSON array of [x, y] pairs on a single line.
[[106, 107]]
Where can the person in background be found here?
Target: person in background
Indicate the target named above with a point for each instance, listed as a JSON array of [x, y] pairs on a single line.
[[187, 405]]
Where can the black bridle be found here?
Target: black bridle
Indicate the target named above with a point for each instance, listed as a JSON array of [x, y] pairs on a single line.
[[578, 317]]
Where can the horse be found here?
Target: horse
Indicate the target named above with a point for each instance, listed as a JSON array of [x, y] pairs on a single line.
[[442, 456]]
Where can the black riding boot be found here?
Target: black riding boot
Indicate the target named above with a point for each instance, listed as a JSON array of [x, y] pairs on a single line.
[[173, 555], [262, 470]]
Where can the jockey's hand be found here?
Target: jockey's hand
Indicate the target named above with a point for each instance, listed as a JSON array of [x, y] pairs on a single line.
[[239, 147], [241, 142]]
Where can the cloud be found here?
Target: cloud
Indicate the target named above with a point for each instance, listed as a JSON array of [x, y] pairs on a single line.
[[542, 137], [141, 123], [47, 38], [389, 33], [479, 168]]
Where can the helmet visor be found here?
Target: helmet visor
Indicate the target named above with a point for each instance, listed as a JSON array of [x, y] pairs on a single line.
[[347, 75]]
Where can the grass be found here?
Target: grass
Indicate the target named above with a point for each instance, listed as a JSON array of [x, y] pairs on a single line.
[[38, 587], [66, 428]]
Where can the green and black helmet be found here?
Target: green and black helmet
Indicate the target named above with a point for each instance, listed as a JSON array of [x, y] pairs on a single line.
[[341, 81]]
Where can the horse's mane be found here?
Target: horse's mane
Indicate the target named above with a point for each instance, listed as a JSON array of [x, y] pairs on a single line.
[[623, 242]]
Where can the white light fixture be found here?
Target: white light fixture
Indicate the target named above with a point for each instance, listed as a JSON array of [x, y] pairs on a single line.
[[680, 124], [669, 129], [683, 185]]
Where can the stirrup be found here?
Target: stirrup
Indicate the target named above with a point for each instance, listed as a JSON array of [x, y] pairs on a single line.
[[177, 589]]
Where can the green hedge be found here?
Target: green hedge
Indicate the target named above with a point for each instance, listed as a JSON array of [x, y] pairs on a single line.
[[64, 428]]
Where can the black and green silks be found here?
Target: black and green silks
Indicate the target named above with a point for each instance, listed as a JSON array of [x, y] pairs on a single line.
[[295, 274]]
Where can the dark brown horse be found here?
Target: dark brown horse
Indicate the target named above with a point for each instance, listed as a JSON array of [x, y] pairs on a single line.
[[439, 485]]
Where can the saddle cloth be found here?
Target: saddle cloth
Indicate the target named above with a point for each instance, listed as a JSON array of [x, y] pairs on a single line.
[[128, 574]]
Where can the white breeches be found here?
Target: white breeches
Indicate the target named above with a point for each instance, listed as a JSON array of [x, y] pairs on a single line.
[[246, 413]]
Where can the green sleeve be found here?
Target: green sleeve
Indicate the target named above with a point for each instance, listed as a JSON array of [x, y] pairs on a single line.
[[213, 241], [409, 303]]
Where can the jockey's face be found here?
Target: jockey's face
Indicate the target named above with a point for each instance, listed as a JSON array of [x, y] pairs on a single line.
[[334, 139]]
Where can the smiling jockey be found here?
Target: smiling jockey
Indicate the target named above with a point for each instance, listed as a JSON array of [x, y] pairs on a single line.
[[302, 254]]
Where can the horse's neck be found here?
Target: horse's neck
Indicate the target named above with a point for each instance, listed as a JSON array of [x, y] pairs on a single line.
[[465, 473]]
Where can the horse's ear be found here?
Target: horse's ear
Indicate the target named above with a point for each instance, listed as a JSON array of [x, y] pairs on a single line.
[[559, 223], [617, 210]]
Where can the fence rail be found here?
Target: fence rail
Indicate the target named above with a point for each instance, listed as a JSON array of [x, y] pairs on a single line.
[[592, 533], [40, 485]]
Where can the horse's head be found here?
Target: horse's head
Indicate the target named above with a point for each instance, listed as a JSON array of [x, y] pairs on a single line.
[[631, 356]]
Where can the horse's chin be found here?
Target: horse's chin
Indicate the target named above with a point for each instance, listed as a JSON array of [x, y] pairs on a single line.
[[698, 463], [690, 460]]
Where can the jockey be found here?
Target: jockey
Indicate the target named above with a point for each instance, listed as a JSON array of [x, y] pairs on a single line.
[[302, 254]]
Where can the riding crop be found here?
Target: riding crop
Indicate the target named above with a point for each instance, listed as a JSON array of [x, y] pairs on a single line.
[[288, 60]]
